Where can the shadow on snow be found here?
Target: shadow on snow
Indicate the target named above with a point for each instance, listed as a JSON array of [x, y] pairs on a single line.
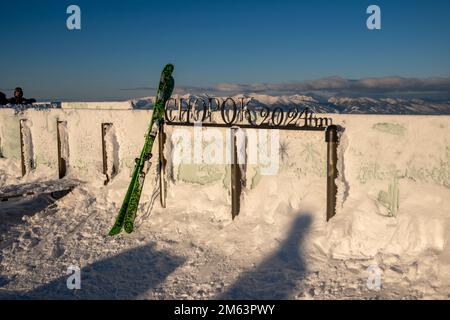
[[125, 276], [279, 274], [136, 271]]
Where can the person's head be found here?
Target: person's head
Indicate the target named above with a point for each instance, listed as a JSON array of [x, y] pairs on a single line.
[[18, 92], [2, 97]]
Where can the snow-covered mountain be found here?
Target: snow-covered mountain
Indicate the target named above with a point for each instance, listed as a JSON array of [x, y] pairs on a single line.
[[359, 105], [390, 106]]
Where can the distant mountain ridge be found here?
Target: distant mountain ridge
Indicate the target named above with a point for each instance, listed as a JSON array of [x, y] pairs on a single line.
[[359, 105]]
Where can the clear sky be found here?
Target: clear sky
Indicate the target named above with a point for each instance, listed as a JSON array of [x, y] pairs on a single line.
[[125, 44]]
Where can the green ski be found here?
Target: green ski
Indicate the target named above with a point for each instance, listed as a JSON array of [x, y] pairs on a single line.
[[127, 214]]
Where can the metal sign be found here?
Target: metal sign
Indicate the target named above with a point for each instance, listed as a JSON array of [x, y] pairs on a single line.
[[211, 112], [229, 113]]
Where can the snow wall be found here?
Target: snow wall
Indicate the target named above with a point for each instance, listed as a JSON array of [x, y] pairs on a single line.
[[393, 185], [372, 147]]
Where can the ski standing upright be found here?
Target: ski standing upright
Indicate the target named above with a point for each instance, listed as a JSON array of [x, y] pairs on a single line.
[[127, 214]]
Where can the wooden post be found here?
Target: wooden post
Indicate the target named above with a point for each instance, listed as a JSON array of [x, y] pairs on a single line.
[[62, 164], [162, 166], [22, 148], [331, 139], [236, 177], [105, 127]]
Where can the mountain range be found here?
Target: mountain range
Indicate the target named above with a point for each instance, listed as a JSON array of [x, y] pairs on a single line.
[[354, 105]]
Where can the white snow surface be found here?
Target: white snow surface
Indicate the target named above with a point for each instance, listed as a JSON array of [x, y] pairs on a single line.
[[279, 247]]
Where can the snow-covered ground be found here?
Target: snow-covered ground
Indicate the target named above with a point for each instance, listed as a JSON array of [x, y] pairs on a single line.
[[279, 247]]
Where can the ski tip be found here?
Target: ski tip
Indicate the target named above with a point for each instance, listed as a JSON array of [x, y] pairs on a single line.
[[168, 69]]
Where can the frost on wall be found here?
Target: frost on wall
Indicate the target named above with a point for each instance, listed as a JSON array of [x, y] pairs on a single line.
[[343, 186], [439, 173], [303, 154], [197, 156], [63, 147], [111, 152], [391, 128], [168, 149], [10, 135], [417, 149], [436, 171], [200, 174], [390, 199]]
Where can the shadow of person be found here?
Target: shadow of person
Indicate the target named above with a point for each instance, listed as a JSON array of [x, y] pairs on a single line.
[[278, 275], [124, 276]]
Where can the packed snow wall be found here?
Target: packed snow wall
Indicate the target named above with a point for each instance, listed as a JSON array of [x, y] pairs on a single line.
[[372, 148], [81, 137]]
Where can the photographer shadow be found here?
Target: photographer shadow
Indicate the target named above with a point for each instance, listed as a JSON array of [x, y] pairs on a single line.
[[279, 274]]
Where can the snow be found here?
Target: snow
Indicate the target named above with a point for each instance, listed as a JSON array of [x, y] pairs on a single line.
[[280, 246], [365, 105], [118, 105]]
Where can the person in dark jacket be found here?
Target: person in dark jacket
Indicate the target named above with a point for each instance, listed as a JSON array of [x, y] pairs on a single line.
[[19, 99], [3, 99]]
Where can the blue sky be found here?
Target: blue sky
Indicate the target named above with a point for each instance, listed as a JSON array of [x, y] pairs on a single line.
[[125, 44]]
